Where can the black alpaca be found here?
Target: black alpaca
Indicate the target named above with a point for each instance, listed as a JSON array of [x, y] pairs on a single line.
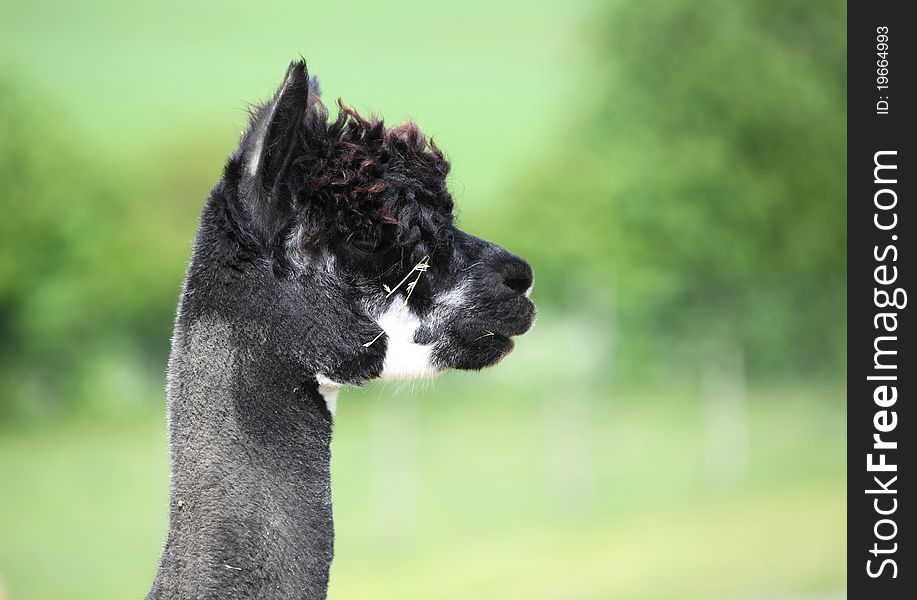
[[326, 256]]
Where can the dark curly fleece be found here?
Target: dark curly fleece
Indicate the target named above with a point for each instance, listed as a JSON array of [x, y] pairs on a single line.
[[352, 177]]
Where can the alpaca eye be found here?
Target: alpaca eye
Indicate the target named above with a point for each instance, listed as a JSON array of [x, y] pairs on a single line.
[[365, 244]]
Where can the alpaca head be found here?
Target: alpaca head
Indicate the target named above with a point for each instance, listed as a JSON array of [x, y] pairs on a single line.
[[345, 227]]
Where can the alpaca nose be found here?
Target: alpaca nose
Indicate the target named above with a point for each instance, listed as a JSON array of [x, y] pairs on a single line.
[[516, 273]]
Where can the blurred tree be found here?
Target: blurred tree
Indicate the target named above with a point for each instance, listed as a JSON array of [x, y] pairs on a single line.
[[707, 181], [84, 274]]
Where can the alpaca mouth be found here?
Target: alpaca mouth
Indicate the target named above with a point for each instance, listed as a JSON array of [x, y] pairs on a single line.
[[516, 322], [476, 348], [478, 340], [496, 344], [483, 345], [490, 339], [496, 333]]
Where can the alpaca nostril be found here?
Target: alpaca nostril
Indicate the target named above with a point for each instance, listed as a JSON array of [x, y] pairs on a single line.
[[517, 276], [518, 284]]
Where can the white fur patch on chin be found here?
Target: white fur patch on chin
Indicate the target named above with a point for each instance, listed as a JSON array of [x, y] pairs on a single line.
[[329, 390], [404, 359]]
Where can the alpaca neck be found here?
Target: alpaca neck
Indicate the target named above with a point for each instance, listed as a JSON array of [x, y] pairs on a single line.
[[250, 503]]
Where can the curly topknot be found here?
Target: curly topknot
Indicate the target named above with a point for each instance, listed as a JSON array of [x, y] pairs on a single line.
[[353, 176]]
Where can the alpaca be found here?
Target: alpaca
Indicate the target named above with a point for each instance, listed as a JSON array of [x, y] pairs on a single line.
[[326, 256]]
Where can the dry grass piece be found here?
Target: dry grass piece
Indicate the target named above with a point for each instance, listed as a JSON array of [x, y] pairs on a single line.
[[421, 268], [372, 341]]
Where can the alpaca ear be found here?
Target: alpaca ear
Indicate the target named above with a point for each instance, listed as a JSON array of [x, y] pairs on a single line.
[[268, 148], [274, 130]]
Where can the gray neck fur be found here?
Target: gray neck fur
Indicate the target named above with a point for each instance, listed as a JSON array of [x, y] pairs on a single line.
[[250, 505]]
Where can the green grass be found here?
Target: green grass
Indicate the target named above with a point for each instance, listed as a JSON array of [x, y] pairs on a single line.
[[82, 510], [495, 485]]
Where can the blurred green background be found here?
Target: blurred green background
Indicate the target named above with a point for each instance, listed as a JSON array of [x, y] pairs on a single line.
[[673, 427]]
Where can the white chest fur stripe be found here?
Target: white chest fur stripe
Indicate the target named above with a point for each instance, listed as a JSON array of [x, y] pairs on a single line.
[[329, 390], [404, 359]]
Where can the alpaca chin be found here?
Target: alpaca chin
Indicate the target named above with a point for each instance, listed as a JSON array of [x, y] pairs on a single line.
[[404, 359]]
